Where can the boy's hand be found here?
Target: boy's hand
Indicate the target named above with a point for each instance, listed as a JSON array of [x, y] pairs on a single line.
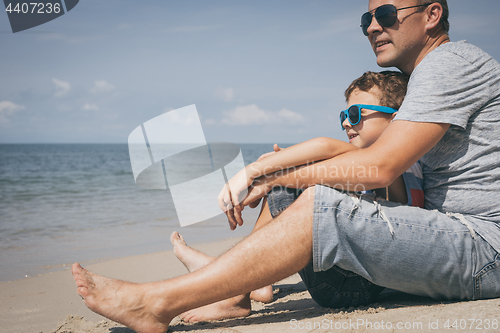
[[276, 149]]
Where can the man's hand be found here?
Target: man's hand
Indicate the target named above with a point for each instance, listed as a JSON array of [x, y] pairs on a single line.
[[235, 188], [260, 187], [276, 149]]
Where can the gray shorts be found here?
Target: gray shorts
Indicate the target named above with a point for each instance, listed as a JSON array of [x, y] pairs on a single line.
[[409, 249]]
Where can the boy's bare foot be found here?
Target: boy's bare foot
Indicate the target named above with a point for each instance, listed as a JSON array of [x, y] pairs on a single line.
[[194, 259], [191, 258], [264, 294], [235, 307], [133, 305]]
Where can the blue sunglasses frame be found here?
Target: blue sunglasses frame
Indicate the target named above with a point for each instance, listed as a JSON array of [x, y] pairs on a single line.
[[344, 114]]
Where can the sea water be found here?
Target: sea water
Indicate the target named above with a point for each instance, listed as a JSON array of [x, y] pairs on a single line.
[[61, 203]]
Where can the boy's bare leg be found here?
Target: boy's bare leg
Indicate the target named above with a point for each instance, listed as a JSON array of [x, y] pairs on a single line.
[[238, 306], [193, 259], [264, 294], [274, 252]]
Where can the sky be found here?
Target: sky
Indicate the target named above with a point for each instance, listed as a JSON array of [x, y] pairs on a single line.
[[258, 71]]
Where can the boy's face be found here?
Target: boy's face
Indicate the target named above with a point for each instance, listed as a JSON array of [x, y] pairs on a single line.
[[372, 123]]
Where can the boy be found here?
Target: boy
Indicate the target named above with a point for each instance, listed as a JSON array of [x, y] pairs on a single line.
[[386, 90], [383, 93]]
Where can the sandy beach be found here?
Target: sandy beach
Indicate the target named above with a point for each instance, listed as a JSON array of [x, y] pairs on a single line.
[[49, 303]]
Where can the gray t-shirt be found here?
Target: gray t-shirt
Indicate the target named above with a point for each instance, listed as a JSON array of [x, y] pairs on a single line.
[[459, 84]]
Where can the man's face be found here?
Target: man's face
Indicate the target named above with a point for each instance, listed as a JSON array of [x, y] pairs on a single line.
[[402, 44]]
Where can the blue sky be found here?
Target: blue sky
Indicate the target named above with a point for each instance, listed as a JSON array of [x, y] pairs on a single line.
[[258, 71]]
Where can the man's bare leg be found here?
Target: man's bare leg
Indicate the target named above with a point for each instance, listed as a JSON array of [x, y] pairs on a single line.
[[274, 252], [194, 259], [239, 306]]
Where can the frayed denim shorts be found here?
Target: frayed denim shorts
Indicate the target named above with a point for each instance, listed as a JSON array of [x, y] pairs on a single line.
[[385, 244]]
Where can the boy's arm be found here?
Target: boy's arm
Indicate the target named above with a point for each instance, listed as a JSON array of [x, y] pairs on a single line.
[[306, 152], [310, 151]]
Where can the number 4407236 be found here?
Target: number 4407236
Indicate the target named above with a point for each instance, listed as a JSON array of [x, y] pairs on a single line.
[[34, 8], [471, 324]]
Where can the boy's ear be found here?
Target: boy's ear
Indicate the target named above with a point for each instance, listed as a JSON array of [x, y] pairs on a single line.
[[393, 115]]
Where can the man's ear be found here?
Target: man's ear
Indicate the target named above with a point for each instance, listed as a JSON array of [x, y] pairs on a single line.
[[393, 115], [434, 14]]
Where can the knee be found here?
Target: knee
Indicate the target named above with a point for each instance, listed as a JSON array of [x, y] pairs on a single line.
[[303, 205], [307, 197]]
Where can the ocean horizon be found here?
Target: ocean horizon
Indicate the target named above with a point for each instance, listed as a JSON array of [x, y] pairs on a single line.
[[76, 202]]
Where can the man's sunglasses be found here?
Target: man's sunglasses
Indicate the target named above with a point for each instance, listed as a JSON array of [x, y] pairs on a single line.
[[386, 16], [354, 113]]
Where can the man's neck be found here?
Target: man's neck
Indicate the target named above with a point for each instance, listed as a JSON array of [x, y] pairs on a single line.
[[432, 43]]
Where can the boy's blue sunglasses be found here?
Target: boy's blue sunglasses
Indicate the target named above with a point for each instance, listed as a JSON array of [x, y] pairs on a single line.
[[354, 112]]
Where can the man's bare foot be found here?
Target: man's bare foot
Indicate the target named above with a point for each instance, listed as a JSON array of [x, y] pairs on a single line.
[[264, 294], [235, 307], [191, 258], [133, 305]]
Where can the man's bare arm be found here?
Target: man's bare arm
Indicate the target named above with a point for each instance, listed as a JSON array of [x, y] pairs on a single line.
[[399, 147]]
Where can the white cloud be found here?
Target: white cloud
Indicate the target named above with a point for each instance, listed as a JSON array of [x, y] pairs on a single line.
[[253, 115], [62, 87], [90, 107], [102, 86], [7, 109], [226, 94], [290, 116]]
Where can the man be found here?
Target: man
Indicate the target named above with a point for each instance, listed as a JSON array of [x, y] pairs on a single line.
[[448, 120]]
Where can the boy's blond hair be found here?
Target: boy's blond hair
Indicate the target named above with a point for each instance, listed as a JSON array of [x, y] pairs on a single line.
[[392, 86]]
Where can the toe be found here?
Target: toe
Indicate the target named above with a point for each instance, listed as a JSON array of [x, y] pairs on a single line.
[[174, 237], [177, 238], [76, 268], [187, 317]]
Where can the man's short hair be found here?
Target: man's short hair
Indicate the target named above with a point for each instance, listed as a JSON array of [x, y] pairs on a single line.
[[444, 19], [392, 86]]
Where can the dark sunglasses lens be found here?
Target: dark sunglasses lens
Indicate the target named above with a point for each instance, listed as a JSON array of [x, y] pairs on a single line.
[[386, 15], [342, 119], [354, 115], [366, 20]]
